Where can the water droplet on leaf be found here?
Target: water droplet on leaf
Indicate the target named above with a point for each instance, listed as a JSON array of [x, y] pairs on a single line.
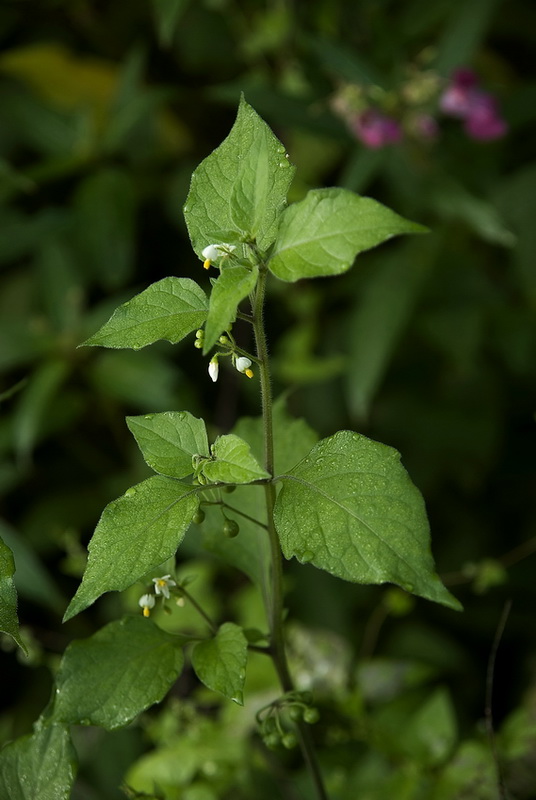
[[130, 492], [306, 556]]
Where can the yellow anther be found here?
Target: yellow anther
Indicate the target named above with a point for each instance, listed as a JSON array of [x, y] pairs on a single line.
[[206, 264], [249, 373], [146, 611]]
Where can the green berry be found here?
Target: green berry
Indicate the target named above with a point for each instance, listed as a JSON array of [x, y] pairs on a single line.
[[230, 528], [310, 716], [223, 340], [271, 741], [199, 516], [295, 713], [200, 334], [289, 741], [198, 343]]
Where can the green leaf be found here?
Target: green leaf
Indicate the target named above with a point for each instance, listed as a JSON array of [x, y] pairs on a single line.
[[233, 284], [377, 321], [32, 579], [220, 663], [238, 192], [35, 403], [351, 509], [9, 622], [146, 380], [167, 15], [40, 766], [293, 438], [178, 765], [114, 675], [233, 462], [431, 733], [471, 769], [464, 32], [169, 440], [105, 225], [169, 309], [322, 234], [135, 534]]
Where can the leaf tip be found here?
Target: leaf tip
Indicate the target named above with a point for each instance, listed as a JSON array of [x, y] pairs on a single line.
[[75, 607], [87, 343]]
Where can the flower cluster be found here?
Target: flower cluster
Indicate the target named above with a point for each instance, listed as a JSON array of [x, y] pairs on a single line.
[[211, 253], [242, 364], [479, 110], [378, 118], [161, 588]]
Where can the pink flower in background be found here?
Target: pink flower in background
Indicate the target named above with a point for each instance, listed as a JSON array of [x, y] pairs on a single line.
[[457, 98], [417, 106], [376, 129], [484, 120], [480, 110]]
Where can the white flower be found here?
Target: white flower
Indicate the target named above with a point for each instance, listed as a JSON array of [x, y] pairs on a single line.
[[243, 364], [213, 369], [147, 602], [161, 585], [213, 252]]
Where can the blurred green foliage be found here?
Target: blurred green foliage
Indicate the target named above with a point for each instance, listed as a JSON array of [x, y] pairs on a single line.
[[428, 345]]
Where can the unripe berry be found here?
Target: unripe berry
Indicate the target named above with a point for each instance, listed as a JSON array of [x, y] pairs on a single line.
[[199, 516], [295, 713], [289, 741], [230, 528], [272, 740], [310, 716]]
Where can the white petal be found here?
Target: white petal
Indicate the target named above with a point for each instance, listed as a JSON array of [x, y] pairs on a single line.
[[242, 363], [213, 369], [211, 252]]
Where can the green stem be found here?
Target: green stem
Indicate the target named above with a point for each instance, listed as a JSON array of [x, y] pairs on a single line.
[[242, 514], [210, 622], [277, 642]]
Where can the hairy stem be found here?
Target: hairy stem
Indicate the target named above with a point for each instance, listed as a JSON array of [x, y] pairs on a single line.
[[277, 642]]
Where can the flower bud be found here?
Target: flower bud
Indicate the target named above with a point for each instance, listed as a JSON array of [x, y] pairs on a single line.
[[213, 369]]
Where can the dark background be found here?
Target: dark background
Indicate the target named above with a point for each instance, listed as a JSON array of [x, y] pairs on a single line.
[[428, 344]]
